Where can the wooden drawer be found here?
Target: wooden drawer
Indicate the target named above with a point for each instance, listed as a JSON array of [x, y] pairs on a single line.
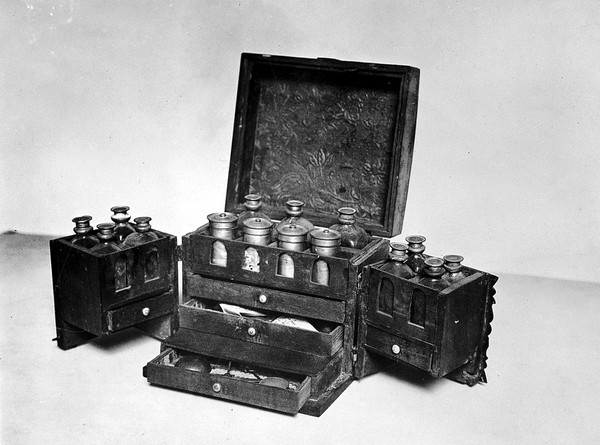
[[161, 371], [263, 298], [135, 313], [397, 348], [257, 330]]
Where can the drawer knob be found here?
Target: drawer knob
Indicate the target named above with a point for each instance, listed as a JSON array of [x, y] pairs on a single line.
[[146, 311], [396, 349], [251, 332], [262, 299], [216, 387]]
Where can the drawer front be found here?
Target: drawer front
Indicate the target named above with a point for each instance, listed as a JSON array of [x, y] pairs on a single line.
[[135, 313], [397, 348], [160, 371], [262, 298], [257, 330]]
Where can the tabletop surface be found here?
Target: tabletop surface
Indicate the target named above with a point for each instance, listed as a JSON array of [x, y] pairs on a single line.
[[543, 384]]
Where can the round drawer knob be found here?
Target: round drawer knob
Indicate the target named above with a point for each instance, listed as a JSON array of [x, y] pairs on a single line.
[[396, 349], [216, 387], [251, 332], [146, 311], [262, 298]]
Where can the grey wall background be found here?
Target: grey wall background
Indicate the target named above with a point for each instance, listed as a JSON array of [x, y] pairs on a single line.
[[106, 102]]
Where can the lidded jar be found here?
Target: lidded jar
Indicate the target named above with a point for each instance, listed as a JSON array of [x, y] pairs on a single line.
[[121, 219], [253, 206], [434, 274], [397, 261], [352, 234], [106, 235], [83, 232], [257, 231], [222, 225], [143, 233], [293, 210], [416, 259], [292, 237], [325, 242], [454, 269]]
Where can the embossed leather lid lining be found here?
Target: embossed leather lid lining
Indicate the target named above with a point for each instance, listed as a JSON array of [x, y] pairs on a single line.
[[332, 133]]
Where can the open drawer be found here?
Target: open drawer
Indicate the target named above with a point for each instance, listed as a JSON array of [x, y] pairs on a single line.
[[204, 316], [276, 390]]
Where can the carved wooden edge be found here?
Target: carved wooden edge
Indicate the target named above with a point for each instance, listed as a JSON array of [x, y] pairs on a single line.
[[473, 371]]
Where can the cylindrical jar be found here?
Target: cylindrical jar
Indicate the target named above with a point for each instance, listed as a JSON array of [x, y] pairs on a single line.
[[222, 225], [325, 242], [292, 237], [257, 231]]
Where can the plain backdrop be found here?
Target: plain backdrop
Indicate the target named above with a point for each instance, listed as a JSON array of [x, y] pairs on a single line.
[[112, 102]]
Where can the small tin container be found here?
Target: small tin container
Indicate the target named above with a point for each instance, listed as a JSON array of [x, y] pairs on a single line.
[[257, 231], [292, 237], [325, 242], [222, 225]]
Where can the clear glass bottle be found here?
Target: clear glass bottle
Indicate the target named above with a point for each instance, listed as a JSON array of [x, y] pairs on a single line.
[[454, 269], [434, 274], [123, 228], [143, 233], [293, 210], [352, 234], [253, 206], [397, 262], [83, 232], [416, 259], [106, 235]]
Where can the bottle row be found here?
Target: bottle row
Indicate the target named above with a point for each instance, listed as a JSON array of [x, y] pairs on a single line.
[[294, 232], [114, 236], [408, 261]]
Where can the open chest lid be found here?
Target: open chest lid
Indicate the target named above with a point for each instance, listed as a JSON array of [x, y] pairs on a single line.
[[330, 133]]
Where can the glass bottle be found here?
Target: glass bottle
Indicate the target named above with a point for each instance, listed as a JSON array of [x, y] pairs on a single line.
[[325, 242], [293, 210], [397, 262], [257, 231], [83, 232], [106, 235], [352, 234], [252, 205], [143, 233], [222, 225], [123, 228], [454, 270], [434, 274], [416, 259]]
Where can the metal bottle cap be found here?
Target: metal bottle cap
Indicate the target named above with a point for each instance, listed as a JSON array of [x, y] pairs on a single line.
[[294, 207], [257, 226], [120, 214], [252, 201], [106, 231], [399, 252], [325, 237], [452, 263], [292, 233], [434, 267], [82, 224], [346, 215], [223, 220], [415, 243], [142, 223]]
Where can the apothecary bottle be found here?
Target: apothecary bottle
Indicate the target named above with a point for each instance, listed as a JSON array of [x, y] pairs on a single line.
[[325, 242], [416, 259], [222, 225], [454, 269], [83, 232], [123, 228], [106, 235], [293, 210], [433, 274], [293, 237], [396, 264], [252, 207], [352, 235], [143, 233], [257, 231]]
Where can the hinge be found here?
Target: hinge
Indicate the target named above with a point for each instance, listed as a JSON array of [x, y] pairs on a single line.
[[179, 252], [354, 353]]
